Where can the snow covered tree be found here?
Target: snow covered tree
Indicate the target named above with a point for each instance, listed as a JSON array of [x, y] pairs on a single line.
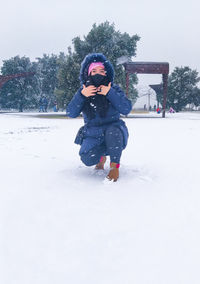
[[182, 87], [194, 99], [19, 93], [68, 79], [47, 70], [102, 39]]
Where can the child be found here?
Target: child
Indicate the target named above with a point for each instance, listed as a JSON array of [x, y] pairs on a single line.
[[101, 102], [158, 110], [171, 110]]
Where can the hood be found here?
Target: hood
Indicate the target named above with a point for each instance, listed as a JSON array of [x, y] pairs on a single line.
[[95, 57]]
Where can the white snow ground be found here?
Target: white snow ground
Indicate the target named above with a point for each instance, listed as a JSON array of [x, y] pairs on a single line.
[[59, 222]]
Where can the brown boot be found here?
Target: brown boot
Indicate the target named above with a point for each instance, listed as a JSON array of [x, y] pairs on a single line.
[[114, 172], [100, 165]]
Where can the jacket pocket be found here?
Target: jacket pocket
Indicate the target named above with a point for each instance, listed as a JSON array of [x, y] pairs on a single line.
[[79, 136]]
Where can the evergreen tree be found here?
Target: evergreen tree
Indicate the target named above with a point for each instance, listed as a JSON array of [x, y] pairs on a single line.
[[195, 97], [47, 69], [181, 87], [68, 79], [19, 93], [102, 39]]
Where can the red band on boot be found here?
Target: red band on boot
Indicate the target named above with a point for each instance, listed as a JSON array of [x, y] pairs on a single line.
[[101, 159], [117, 165]]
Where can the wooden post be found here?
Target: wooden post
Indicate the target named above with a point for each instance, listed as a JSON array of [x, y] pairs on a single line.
[[127, 83], [165, 79]]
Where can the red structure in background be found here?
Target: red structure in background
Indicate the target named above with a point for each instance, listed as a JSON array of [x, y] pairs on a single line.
[[4, 79], [149, 68]]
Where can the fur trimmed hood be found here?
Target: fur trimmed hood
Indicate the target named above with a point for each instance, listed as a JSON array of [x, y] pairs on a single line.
[[95, 57]]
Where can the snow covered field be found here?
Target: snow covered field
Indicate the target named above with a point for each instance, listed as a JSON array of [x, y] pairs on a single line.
[[59, 222]]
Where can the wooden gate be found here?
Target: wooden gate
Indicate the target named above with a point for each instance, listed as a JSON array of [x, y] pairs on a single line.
[[149, 68]]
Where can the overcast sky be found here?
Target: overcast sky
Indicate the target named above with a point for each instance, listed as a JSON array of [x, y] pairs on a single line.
[[169, 30]]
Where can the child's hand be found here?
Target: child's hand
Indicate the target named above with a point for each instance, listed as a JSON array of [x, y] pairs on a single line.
[[103, 90], [89, 91]]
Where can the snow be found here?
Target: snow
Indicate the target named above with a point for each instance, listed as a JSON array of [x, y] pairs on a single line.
[[61, 223]]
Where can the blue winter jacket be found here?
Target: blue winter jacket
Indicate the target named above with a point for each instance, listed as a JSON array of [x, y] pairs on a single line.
[[92, 133]]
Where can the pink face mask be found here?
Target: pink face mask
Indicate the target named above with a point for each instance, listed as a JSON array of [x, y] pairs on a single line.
[[94, 65]]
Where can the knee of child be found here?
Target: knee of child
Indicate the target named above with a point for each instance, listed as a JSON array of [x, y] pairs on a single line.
[[87, 160], [113, 131]]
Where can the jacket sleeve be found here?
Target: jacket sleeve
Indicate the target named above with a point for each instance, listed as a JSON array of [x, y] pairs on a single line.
[[74, 108], [119, 100]]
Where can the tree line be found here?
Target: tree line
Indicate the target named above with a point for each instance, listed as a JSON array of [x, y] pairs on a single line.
[[57, 76]]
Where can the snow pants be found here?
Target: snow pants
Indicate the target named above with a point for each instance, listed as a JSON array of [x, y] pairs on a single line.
[[112, 146]]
